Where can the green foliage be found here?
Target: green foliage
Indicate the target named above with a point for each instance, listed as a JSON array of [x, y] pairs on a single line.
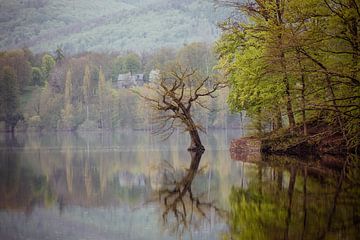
[[83, 99], [159, 59], [125, 64], [86, 84], [116, 25], [47, 64], [50, 106], [37, 77], [9, 91], [197, 56], [298, 58], [102, 94], [9, 98], [292, 205], [67, 114], [59, 55], [19, 60]]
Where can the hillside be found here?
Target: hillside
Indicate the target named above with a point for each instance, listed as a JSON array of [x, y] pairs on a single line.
[[111, 25]]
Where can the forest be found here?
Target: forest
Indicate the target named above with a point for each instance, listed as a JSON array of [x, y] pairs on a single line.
[[295, 65], [48, 92], [120, 25], [292, 67]]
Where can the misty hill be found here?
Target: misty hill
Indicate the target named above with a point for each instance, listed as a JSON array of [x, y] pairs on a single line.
[[106, 25]]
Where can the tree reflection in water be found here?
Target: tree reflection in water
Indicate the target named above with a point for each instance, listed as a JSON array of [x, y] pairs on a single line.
[[97, 188], [291, 203], [182, 208]]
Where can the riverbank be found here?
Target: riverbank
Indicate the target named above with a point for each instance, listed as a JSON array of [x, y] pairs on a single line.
[[322, 142], [321, 139]]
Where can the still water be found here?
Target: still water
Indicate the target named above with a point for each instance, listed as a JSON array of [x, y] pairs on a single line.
[[131, 185]]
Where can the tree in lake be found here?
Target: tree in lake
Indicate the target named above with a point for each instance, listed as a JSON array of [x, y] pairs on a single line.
[[173, 97], [9, 96]]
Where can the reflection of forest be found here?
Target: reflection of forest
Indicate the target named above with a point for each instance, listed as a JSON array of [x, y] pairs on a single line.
[[99, 171], [292, 203], [90, 171]]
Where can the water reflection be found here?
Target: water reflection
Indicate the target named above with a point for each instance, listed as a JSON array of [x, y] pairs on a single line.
[[98, 186], [130, 186], [184, 208], [297, 201]]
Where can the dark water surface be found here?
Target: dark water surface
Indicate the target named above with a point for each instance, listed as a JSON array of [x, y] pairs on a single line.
[[130, 185]]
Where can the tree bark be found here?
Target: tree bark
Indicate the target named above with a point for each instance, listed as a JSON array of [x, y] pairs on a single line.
[[289, 109], [195, 141], [303, 88], [278, 119], [290, 113]]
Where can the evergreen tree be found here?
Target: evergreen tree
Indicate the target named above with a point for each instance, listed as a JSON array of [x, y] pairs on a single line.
[[59, 54]]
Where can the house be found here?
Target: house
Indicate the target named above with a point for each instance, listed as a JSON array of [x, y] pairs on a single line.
[[129, 80], [154, 75]]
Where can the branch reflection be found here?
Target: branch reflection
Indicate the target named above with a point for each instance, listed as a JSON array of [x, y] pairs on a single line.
[[184, 208]]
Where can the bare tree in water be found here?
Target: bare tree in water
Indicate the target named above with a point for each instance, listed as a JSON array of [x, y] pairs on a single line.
[[173, 96]]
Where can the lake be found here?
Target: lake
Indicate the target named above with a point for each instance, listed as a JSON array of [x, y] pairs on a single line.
[[132, 185]]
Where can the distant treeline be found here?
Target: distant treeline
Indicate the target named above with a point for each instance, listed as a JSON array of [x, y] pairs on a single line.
[[52, 91]]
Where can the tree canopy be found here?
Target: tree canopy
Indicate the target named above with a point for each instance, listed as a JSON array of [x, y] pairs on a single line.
[[293, 62]]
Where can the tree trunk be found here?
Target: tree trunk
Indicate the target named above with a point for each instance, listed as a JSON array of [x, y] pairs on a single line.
[[290, 113], [278, 119], [195, 141], [303, 88], [196, 144], [303, 111], [289, 109]]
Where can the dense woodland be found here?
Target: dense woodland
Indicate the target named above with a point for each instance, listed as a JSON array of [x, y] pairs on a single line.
[[295, 64], [96, 25], [58, 92]]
